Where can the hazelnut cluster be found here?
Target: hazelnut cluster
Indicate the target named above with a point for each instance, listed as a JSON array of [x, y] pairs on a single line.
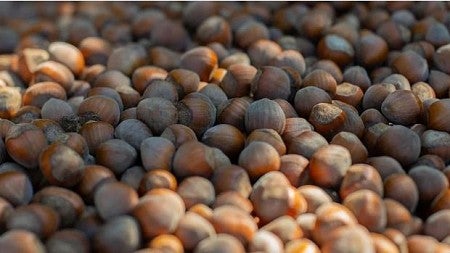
[[211, 127]]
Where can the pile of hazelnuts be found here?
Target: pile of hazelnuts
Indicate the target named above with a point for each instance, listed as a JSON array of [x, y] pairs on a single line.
[[211, 127]]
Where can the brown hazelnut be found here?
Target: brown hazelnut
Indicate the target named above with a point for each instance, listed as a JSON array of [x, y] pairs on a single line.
[[348, 238], [68, 55], [329, 164], [250, 32], [371, 50], [178, 134], [376, 94], [437, 112], [396, 35], [264, 113], [106, 108], [235, 58], [361, 177], [16, 187], [214, 93], [201, 60], [385, 165], [226, 138], [95, 133], [12, 101], [412, 66], [306, 98], [372, 116], [127, 58], [221, 243], [112, 79], [151, 111], [294, 127], [95, 50], [440, 82], [321, 79], [21, 241], [271, 82], [197, 112], [157, 153], [402, 188], [285, 227], [265, 241], [196, 190], [39, 93], [231, 178], [193, 229], [133, 131], [350, 141], [269, 136], [93, 176], [155, 179], [116, 155], [327, 119], [29, 59], [70, 239], [108, 194], [436, 143], [262, 52], [357, 75], [401, 143], [259, 158], [402, 107], [234, 221], [306, 143], [430, 182], [349, 93], [314, 196], [118, 234], [233, 111], [163, 243], [214, 29], [336, 48]]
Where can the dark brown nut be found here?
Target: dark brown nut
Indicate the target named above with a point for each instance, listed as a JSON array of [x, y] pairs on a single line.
[[287, 108], [349, 93], [431, 160], [178, 134], [67, 239], [375, 18], [368, 208], [68, 55], [437, 34], [204, 160], [164, 58], [402, 107], [143, 76], [361, 177], [262, 52], [227, 138], [336, 48], [144, 22], [29, 59], [402, 188], [313, 24], [329, 164], [436, 143], [306, 144], [155, 179], [269, 136], [423, 243], [24, 143], [399, 81], [95, 133], [265, 113], [331, 216], [314, 196], [376, 94], [127, 58], [271, 82], [437, 112], [196, 12], [133, 131], [197, 112], [440, 82], [233, 198], [214, 29], [11, 102], [327, 119], [21, 241], [106, 108], [265, 241], [249, 32], [437, 225], [329, 66], [231, 178], [201, 60], [371, 136], [419, 128], [61, 165], [150, 111], [237, 81], [256, 164], [371, 50], [430, 182], [220, 243], [378, 74], [16, 187], [372, 116], [116, 155], [220, 50], [108, 194], [52, 130], [349, 238], [66, 203], [412, 66], [112, 79], [401, 143], [164, 242], [120, 233], [117, 34], [159, 212], [157, 153], [5, 126], [294, 127], [385, 165], [234, 221], [196, 190], [396, 35], [350, 141], [292, 59], [107, 92], [93, 176], [129, 113], [441, 202], [55, 109], [214, 93], [95, 50], [89, 222], [306, 98], [321, 79], [39, 93], [192, 229], [272, 199], [187, 81], [353, 122], [40, 219], [357, 75], [233, 112]]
